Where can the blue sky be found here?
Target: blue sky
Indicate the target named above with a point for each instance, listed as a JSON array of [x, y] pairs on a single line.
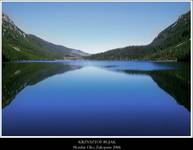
[[95, 27]]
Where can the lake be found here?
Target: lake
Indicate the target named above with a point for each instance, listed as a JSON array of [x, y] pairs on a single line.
[[96, 98]]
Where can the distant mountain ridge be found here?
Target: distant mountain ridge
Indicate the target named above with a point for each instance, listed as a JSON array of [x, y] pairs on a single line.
[[17, 45], [173, 43]]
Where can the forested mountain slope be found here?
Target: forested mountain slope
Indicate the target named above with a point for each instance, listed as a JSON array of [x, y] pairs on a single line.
[[17, 45], [173, 43]]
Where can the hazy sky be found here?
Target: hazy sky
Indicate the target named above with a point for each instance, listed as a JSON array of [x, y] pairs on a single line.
[[95, 27]]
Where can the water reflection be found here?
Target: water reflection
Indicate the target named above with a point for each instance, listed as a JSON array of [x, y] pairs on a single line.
[[175, 82], [17, 76], [96, 98]]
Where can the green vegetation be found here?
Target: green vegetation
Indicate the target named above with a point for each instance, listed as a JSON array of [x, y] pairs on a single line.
[[18, 45], [173, 43], [180, 52]]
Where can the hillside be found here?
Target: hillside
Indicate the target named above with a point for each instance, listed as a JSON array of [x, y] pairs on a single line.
[[173, 43], [17, 45]]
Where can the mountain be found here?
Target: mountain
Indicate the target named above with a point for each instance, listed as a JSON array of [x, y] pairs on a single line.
[[17, 45], [173, 43]]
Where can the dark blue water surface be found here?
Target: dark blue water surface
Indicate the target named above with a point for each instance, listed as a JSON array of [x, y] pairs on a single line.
[[96, 98]]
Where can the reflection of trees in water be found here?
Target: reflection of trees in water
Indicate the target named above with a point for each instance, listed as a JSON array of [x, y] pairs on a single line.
[[174, 82], [16, 76]]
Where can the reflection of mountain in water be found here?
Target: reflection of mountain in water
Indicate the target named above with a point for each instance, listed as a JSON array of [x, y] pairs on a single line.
[[16, 76], [174, 82]]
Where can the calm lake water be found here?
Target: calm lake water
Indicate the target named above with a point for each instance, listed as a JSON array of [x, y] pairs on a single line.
[[96, 98]]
